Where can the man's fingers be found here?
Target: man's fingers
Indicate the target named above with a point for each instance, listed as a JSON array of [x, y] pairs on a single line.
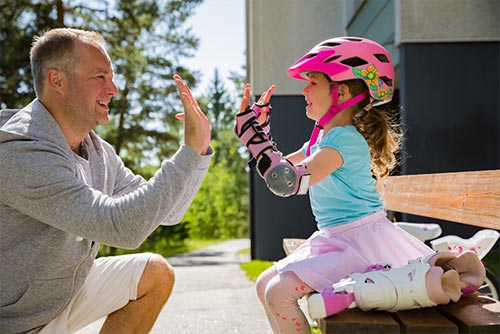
[[191, 108], [196, 124], [184, 89]]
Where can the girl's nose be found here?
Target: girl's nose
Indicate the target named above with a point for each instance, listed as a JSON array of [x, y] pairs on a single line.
[[304, 90]]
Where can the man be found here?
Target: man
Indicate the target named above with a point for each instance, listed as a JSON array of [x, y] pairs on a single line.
[[64, 191]]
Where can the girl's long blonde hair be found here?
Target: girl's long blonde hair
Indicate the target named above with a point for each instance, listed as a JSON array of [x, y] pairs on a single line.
[[381, 131]]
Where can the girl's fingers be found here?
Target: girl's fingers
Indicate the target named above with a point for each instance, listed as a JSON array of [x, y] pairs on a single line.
[[266, 96], [263, 99]]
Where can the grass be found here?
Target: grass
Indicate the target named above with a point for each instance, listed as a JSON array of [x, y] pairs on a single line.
[[245, 251], [253, 268]]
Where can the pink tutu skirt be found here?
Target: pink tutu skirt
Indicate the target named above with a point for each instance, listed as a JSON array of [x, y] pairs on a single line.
[[332, 254]]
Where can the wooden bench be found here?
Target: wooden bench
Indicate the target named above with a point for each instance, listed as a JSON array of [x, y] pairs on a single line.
[[466, 197]]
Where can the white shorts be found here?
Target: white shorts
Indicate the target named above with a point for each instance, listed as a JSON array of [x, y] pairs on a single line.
[[112, 282]]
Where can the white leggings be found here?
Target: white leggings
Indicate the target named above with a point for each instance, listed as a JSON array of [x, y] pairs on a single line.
[[279, 294]]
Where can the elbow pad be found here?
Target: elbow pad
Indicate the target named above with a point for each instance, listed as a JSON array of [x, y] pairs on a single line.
[[282, 177]]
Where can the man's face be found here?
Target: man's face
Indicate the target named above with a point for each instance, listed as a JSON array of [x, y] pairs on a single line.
[[91, 87]]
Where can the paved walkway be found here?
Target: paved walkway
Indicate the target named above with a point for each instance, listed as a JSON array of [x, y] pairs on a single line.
[[211, 295]]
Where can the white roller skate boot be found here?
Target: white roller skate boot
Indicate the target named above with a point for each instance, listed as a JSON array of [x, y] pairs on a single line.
[[425, 282]]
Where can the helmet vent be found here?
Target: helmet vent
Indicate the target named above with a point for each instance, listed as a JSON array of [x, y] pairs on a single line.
[[382, 57], [354, 62], [386, 80], [311, 55], [353, 39], [332, 58], [330, 44]]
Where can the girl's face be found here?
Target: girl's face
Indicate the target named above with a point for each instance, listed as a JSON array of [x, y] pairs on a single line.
[[318, 95]]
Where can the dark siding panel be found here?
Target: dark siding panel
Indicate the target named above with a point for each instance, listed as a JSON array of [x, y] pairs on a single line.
[[273, 218]]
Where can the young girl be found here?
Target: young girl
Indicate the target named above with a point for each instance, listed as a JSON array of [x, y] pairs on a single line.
[[352, 144]]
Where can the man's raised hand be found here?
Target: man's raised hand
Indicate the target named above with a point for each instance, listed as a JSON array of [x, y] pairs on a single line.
[[196, 124]]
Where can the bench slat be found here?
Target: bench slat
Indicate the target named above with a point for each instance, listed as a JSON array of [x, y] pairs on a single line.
[[466, 197], [474, 314], [357, 321], [424, 321]]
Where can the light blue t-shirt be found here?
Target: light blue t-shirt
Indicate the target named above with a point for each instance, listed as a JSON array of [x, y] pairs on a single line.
[[349, 193]]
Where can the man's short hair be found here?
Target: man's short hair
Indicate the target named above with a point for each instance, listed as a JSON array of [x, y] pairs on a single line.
[[54, 50]]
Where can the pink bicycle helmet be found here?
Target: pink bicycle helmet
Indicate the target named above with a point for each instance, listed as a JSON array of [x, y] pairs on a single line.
[[346, 58]]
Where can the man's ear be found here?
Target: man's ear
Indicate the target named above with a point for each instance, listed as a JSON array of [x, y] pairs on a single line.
[[56, 80]]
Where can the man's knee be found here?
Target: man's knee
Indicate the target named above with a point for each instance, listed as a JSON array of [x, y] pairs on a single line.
[[158, 277]]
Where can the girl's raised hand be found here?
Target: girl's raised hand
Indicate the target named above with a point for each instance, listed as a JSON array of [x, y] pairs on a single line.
[[263, 100]]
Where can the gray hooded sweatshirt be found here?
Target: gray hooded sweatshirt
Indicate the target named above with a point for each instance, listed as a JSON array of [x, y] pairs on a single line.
[[56, 207]]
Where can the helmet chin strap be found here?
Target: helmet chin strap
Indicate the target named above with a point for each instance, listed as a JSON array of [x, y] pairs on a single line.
[[334, 109]]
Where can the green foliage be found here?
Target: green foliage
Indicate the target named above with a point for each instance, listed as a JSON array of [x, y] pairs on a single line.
[[220, 209], [19, 22], [162, 239], [160, 248], [219, 107]]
